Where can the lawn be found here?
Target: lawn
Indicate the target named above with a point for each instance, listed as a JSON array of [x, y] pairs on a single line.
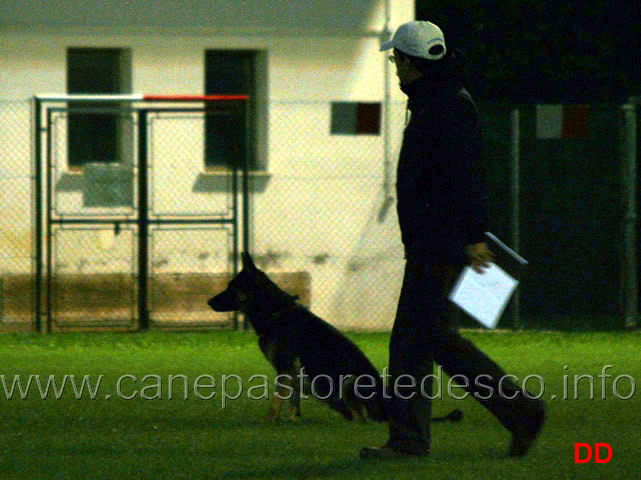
[[148, 435]]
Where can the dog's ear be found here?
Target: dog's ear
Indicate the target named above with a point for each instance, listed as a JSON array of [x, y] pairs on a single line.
[[248, 263]]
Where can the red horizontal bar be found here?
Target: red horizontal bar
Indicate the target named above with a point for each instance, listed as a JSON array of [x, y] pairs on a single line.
[[193, 98]]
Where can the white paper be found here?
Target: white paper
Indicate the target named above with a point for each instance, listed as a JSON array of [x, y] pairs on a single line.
[[484, 295]]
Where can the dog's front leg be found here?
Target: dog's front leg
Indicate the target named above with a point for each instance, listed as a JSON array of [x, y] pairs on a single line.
[[274, 409], [294, 401], [282, 388], [294, 405]]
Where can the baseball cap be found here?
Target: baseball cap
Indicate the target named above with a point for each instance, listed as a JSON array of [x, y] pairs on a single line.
[[419, 39]]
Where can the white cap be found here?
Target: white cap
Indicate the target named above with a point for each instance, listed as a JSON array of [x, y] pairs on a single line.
[[418, 39]]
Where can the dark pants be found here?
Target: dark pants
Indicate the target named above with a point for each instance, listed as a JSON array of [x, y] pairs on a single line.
[[424, 332]]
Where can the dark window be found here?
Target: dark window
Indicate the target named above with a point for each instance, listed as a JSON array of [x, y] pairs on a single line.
[[230, 127], [355, 118], [93, 137]]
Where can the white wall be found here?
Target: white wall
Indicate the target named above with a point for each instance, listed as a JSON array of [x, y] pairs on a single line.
[[252, 16], [315, 52]]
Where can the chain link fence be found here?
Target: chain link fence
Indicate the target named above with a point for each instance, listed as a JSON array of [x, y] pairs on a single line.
[[323, 221], [174, 244], [16, 221], [324, 210]]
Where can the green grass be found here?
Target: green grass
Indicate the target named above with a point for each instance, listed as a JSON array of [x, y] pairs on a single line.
[[197, 439]]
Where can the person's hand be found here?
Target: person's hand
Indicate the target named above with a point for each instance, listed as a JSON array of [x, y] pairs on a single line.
[[479, 256]]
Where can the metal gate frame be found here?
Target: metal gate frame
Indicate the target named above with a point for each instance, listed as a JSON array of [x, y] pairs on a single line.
[[141, 106]]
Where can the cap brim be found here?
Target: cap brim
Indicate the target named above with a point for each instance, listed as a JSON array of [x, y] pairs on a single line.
[[387, 46]]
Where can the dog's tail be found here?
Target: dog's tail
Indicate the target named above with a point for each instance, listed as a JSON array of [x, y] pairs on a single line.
[[377, 404], [455, 415], [377, 411]]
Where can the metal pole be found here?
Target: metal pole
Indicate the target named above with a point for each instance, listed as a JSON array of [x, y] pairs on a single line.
[[245, 193], [515, 196], [143, 222], [629, 194], [387, 154], [48, 235], [38, 240], [234, 195], [249, 137]]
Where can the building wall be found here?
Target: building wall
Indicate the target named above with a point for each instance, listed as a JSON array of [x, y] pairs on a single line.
[[250, 16]]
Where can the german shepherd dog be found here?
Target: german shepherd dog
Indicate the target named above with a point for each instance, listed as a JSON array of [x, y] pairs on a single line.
[[296, 342]]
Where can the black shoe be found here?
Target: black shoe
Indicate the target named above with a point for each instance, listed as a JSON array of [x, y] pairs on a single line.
[[525, 436], [389, 452]]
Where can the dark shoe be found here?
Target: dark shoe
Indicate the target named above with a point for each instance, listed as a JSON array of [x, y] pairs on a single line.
[[524, 437], [389, 452]]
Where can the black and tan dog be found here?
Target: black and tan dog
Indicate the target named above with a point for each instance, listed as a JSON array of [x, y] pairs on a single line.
[[297, 342]]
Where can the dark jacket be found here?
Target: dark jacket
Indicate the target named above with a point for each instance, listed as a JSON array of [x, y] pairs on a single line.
[[441, 193]]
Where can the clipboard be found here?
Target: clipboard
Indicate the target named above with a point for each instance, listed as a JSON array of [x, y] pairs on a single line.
[[484, 296]]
